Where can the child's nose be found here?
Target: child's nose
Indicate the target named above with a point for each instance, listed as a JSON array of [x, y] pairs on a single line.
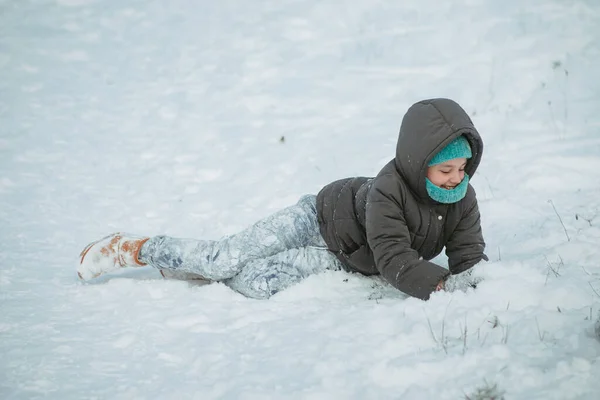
[[456, 177]]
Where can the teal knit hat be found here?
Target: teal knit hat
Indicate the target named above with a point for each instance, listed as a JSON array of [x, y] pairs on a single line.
[[458, 148]]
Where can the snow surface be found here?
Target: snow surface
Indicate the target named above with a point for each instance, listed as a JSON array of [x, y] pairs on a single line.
[[196, 118]]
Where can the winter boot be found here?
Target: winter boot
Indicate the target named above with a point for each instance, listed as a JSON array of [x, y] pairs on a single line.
[[108, 254]]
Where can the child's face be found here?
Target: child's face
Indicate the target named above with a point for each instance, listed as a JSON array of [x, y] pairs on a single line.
[[448, 174]]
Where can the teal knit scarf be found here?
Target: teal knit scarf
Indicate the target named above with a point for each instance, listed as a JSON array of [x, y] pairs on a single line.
[[447, 196]]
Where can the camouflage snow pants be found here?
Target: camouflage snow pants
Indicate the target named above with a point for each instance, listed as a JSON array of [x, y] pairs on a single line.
[[257, 262]]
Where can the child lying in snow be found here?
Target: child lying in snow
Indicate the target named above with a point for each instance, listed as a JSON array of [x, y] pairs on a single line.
[[419, 203]]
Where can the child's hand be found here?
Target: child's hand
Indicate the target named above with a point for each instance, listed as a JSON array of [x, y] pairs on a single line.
[[440, 286], [461, 281]]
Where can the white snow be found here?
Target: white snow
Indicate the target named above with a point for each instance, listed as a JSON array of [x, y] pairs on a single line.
[[167, 117]]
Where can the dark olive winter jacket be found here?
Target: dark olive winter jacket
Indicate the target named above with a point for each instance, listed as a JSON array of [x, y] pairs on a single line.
[[389, 225]]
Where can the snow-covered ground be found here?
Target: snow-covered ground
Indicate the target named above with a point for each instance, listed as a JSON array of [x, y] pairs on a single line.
[[195, 118]]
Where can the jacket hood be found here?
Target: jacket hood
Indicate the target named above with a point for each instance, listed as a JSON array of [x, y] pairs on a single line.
[[427, 127]]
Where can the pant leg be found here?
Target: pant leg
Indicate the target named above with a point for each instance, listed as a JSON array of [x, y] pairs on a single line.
[[289, 228], [262, 278]]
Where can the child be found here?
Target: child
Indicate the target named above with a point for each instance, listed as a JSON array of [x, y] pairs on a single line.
[[419, 203]]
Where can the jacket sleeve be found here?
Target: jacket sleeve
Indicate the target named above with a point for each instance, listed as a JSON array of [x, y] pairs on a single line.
[[465, 247], [389, 238]]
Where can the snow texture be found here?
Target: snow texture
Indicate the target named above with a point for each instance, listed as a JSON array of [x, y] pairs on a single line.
[[197, 118]]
